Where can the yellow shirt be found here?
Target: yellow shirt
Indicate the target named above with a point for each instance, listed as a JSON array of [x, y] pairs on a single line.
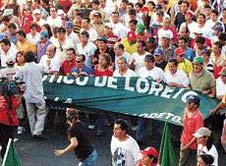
[[130, 48], [26, 46], [186, 66]]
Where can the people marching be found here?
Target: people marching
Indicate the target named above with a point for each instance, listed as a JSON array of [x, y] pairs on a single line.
[[179, 43]]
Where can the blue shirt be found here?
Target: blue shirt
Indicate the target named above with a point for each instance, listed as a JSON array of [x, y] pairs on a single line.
[[84, 71]]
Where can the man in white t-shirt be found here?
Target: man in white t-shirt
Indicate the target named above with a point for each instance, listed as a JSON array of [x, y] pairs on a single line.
[[137, 58], [150, 70], [86, 47], [124, 148], [53, 20]]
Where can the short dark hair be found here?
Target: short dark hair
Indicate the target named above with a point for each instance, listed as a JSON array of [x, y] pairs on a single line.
[[218, 44], [83, 56], [34, 25], [143, 44], [186, 3], [173, 60], [200, 39], [84, 33], [132, 12], [21, 33], [87, 19], [72, 49], [29, 56], [215, 11], [222, 36], [203, 15], [6, 41], [124, 124], [12, 25], [133, 21], [183, 38]]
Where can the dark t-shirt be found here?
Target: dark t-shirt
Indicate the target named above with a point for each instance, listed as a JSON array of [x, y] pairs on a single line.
[[84, 148]]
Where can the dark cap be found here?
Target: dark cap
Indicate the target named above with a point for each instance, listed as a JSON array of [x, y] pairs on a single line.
[[193, 99]]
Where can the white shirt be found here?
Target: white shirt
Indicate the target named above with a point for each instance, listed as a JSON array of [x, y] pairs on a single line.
[[213, 152], [88, 51], [92, 34], [126, 152], [156, 73], [120, 30], [3, 56], [31, 74], [191, 27], [139, 61], [74, 38], [180, 77], [126, 55], [54, 22], [128, 73], [33, 39], [61, 49], [53, 65], [220, 87]]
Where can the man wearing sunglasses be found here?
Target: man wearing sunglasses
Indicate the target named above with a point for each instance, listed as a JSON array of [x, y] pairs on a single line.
[[81, 69]]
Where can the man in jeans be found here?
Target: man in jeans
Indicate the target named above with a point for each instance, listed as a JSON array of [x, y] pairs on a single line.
[[78, 135]]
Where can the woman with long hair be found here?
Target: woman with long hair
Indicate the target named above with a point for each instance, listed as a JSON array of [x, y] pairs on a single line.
[[103, 68]]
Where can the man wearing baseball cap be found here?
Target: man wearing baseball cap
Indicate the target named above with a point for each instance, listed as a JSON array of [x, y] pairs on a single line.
[[193, 120], [202, 80]]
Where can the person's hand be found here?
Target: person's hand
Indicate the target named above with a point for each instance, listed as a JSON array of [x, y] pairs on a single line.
[[205, 92], [58, 152], [184, 148], [212, 112], [211, 95]]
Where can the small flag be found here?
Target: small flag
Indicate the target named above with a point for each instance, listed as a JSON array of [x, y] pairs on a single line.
[[11, 157], [167, 155]]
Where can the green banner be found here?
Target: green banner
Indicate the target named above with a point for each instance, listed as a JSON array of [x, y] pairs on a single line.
[[134, 96]]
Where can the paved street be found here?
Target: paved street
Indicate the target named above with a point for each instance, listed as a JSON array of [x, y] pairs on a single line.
[[40, 153]]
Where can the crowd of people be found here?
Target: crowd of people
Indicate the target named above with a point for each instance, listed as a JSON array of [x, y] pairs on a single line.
[[181, 43]]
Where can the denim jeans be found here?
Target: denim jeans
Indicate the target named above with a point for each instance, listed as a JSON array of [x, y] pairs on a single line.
[[91, 160]]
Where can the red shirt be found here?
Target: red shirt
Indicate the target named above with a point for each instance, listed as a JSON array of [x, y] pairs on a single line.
[[191, 125], [8, 117], [107, 72], [26, 22], [67, 66]]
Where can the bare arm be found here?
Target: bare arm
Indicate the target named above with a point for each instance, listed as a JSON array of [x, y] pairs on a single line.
[[73, 144]]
